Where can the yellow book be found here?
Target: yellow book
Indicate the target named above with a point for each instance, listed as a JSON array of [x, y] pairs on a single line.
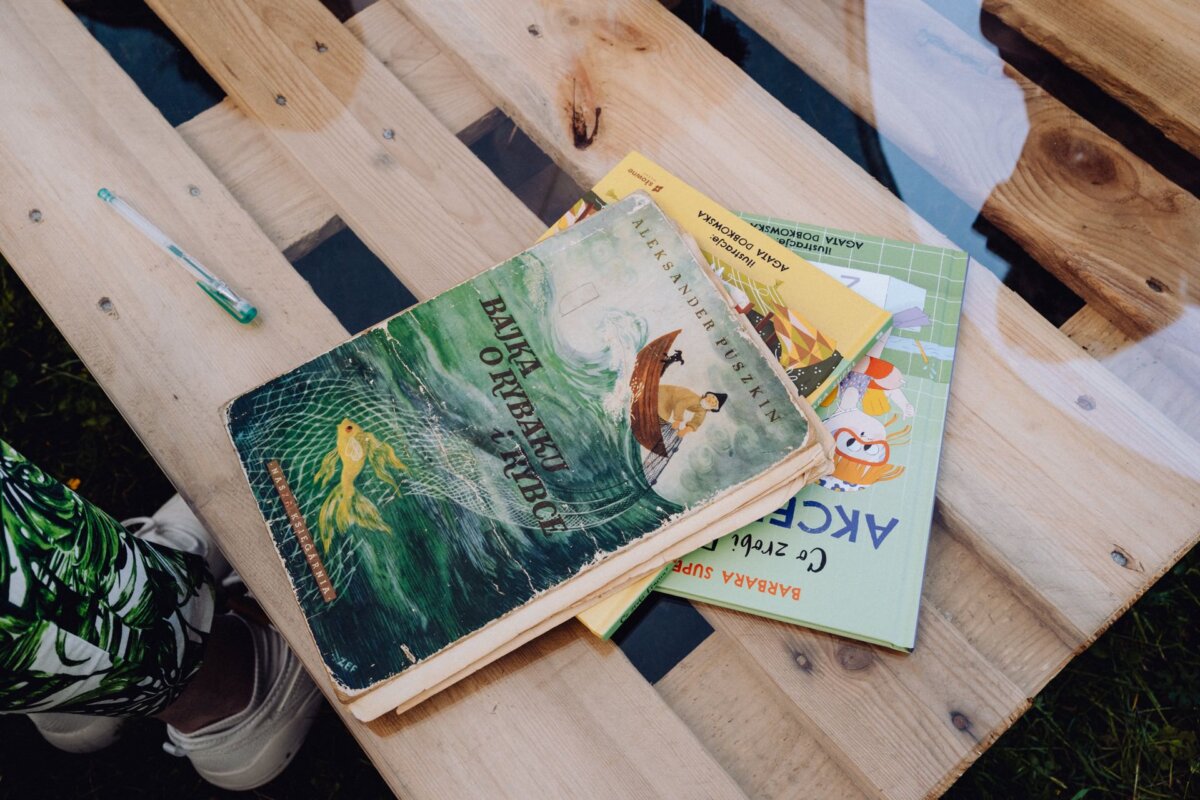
[[814, 324]]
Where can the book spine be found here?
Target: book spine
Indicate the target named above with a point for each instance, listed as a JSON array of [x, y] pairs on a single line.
[[635, 603]]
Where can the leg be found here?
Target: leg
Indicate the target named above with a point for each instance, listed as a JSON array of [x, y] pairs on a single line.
[[97, 620], [93, 620]]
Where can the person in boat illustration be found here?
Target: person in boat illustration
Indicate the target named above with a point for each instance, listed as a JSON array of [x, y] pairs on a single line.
[[344, 505], [662, 414], [683, 411], [862, 440]]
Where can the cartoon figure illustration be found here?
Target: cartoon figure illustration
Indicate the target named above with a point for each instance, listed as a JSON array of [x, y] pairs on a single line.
[[344, 505], [862, 442]]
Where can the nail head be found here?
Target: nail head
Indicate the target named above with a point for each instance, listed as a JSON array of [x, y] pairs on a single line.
[[35, 215]]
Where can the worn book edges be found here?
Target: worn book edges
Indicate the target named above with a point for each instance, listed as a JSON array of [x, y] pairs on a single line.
[[815, 326], [479, 468], [847, 555]]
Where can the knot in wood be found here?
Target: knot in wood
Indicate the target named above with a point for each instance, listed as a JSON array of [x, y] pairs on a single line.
[[854, 658], [1087, 160], [802, 661], [1156, 285], [534, 31]]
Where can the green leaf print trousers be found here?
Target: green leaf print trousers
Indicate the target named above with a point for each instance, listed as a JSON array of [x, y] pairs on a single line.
[[92, 619]]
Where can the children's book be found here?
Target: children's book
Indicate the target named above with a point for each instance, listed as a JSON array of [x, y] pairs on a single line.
[[815, 326], [469, 473], [847, 555]]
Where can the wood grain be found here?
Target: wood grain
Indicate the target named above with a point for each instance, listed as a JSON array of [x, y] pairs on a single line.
[[360, 135], [1116, 231], [750, 725], [1036, 490], [1142, 54], [281, 198], [1151, 365], [170, 358]]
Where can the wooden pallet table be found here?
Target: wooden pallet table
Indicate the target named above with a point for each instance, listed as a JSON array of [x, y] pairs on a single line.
[[1069, 480]]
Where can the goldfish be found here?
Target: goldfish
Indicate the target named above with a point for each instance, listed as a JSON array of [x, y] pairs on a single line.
[[344, 505]]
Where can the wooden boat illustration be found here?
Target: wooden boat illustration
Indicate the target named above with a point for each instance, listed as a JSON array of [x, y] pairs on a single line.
[[657, 438]]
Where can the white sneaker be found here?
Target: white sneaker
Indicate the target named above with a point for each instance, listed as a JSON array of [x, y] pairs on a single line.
[[77, 733], [175, 526], [253, 746]]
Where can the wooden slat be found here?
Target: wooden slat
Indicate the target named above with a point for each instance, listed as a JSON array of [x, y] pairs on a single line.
[[1106, 223], [359, 134], [904, 724], [990, 613], [1143, 54], [1036, 488], [1150, 365], [280, 197], [750, 725], [170, 358]]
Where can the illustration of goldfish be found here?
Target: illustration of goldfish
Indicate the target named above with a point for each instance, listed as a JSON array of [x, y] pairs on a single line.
[[344, 505]]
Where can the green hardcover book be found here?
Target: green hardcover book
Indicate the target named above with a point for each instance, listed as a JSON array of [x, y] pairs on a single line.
[[460, 478], [847, 555]]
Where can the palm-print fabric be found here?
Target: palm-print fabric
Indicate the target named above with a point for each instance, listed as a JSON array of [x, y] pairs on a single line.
[[92, 619]]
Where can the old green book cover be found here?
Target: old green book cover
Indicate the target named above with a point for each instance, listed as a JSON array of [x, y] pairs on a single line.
[[547, 420], [847, 555]]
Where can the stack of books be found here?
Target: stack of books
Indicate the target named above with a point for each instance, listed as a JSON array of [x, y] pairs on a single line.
[[659, 395]]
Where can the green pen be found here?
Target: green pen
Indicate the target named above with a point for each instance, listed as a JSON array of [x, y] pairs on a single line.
[[214, 287]]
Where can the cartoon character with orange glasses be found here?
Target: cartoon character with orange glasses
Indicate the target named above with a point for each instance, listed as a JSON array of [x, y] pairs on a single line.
[[862, 442]]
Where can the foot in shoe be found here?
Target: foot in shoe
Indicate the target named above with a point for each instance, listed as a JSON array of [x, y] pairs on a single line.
[[175, 526], [77, 733], [256, 744]]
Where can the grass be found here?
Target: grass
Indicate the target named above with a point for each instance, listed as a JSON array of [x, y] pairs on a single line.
[[1122, 720]]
